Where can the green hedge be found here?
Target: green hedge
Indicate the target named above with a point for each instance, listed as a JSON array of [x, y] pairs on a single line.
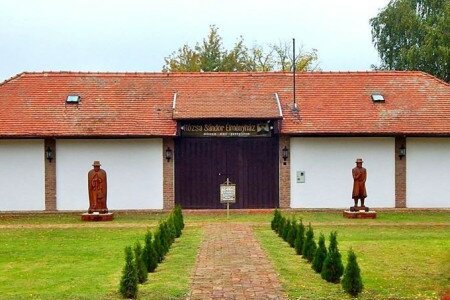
[[156, 246]]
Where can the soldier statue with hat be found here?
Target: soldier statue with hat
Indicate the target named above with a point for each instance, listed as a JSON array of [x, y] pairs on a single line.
[[359, 186], [97, 189]]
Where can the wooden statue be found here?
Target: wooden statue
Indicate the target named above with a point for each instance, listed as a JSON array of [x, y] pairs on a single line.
[[359, 185], [97, 189]]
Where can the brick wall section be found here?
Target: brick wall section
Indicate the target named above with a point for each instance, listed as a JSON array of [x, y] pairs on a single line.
[[168, 175], [50, 176], [400, 174], [285, 175]]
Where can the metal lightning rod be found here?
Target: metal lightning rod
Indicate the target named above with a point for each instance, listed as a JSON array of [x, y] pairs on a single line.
[[293, 69]]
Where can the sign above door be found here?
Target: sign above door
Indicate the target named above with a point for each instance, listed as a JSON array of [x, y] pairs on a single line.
[[259, 128]]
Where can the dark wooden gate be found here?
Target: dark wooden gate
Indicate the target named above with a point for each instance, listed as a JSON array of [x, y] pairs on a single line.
[[202, 164]]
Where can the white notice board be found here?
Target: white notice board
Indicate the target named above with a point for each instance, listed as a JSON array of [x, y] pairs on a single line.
[[228, 193]]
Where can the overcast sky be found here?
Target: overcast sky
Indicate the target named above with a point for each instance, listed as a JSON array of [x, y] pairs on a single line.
[[89, 35]]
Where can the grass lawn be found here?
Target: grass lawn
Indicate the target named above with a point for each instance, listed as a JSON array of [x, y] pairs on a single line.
[[335, 216], [396, 263], [86, 263], [403, 255]]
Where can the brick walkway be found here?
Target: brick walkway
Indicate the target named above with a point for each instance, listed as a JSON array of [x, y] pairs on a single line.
[[231, 265]]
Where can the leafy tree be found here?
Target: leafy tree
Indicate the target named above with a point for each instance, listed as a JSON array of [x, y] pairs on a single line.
[[414, 35], [184, 59], [332, 268], [211, 56], [210, 51], [141, 268], [149, 253], [352, 281], [309, 247], [304, 61], [129, 281], [300, 238], [320, 255], [261, 60], [238, 59]]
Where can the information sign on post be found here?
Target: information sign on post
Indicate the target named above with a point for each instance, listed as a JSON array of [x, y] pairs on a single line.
[[228, 194]]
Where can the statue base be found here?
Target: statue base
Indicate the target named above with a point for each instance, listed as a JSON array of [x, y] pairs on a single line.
[[360, 214], [359, 208], [97, 217]]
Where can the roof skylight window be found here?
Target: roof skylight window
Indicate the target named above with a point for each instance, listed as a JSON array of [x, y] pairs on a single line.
[[377, 98], [73, 99]]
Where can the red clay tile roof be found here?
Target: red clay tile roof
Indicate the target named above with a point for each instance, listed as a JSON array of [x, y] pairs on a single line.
[[340, 104], [34, 105], [225, 96], [140, 104]]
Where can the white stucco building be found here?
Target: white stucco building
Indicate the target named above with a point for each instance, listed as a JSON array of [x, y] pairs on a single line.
[[167, 138]]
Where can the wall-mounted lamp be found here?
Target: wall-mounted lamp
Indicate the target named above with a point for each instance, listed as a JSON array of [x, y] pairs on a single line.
[[168, 154], [285, 154], [402, 152], [49, 154]]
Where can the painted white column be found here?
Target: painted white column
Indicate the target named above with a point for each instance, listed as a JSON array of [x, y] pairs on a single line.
[[327, 164], [22, 177], [133, 166], [428, 172]]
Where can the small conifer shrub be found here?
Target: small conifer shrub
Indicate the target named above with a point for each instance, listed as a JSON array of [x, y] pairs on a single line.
[[164, 238], [292, 234], [286, 229], [149, 254], [176, 223], [332, 268], [300, 238], [281, 226], [158, 246], [173, 228], [169, 239], [178, 211], [309, 247], [141, 268], [275, 220], [129, 281], [352, 281], [170, 229], [178, 220], [320, 255]]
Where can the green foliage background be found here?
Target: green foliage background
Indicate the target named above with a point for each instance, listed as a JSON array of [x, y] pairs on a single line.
[[414, 35], [211, 56]]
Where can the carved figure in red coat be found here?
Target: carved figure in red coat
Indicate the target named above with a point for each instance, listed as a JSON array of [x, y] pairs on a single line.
[[359, 182], [97, 187]]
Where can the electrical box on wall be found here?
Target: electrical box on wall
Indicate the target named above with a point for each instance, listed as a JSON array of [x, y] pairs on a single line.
[[300, 176]]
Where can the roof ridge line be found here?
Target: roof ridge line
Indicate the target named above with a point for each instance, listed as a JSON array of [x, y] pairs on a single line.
[[433, 77], [224, 74], [12, 78]]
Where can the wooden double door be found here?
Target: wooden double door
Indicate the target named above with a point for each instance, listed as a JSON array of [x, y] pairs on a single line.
[[202, 164]]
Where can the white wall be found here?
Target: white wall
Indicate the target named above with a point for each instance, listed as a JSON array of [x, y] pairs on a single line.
[[428, 172], [22, 177], [133, 166], [328, 164]]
